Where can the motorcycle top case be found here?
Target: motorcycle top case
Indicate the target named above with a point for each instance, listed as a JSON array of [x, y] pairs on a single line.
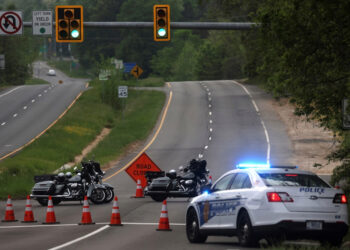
[[44, 188], [159, 184]]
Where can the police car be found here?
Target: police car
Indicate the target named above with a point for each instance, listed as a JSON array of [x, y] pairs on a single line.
[[271, 202]]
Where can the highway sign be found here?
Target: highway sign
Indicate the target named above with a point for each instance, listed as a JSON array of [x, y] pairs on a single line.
[[11, 23], [138, 168], [2, 61], [136, 71], [123, 91], [128, 67], [42, 22]]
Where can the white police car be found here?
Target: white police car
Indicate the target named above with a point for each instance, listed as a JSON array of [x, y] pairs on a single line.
[[262, 201]]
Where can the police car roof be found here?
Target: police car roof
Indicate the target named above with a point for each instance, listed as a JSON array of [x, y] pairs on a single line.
[[275, 169]]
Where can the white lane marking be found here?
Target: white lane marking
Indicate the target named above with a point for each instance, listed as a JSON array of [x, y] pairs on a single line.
[[206, 147], [15, 115], [210, 113], [209, 99], [268, 151], [210, 121], [98, 223], [211, 130], [33, 100], [45, 90], [209, 93], [2, 124], [39, 95], [81, 238], [209, 105], [25, 107], [210, 138], [10, 91]]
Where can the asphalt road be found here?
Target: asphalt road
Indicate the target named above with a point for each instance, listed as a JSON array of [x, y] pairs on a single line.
[[29, 109], [217, 119]]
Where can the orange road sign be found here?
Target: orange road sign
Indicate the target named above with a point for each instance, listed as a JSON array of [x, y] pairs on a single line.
[[138, 168], [136, 71]]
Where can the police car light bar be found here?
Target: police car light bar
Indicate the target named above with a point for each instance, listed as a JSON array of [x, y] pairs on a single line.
[[252, 165], [284, 167]]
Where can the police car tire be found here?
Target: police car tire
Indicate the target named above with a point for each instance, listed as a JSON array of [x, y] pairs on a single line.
[[194, 235], [247, 238]]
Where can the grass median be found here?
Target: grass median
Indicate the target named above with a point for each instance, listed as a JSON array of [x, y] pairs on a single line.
[[82, 123]]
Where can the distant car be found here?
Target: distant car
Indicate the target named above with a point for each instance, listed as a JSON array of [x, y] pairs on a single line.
[[272, 202], [51, 72]]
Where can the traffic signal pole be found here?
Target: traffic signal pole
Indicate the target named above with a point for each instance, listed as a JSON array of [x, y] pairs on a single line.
[[173, 25]]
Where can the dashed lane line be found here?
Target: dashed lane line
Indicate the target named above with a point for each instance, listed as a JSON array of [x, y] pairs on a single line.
[[2, 124], [15, 115], [268, 151], [25, 107], [33, 100]]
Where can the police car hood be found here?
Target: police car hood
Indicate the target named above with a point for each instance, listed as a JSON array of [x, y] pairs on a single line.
[[311, 199]]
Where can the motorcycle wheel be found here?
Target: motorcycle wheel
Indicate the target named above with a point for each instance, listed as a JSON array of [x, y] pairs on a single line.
[[42, 201], [98, 196], [109, 195], [159, 197]]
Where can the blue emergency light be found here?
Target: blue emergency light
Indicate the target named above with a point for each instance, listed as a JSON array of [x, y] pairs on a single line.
[[252, 165]]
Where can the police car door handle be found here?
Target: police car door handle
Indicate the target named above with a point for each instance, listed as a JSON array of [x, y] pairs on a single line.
[[217, 196], [238, 196]]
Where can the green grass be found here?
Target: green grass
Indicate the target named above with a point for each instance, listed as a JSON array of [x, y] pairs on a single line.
[[75, 130], [33, 81], [147, 82], [65, 67]]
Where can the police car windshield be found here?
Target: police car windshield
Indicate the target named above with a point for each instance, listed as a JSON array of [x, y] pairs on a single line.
[[289, 179]]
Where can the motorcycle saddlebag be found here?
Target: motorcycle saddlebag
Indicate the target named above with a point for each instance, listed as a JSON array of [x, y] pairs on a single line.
[[159, 184], [44, 188]]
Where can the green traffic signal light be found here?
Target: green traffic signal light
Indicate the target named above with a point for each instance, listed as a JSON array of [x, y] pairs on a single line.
[[74, 33], [162, 32]]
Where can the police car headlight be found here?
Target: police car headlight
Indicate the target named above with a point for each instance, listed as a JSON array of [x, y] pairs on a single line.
[[188, 182]]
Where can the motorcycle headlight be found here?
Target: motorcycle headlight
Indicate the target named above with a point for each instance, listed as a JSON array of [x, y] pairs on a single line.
[[188, 182]]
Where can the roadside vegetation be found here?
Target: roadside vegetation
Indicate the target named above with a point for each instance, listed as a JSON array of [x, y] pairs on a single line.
[[69, 136]]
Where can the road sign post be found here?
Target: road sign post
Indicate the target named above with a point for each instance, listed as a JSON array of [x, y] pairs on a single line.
[[42, 22], [11, 23]]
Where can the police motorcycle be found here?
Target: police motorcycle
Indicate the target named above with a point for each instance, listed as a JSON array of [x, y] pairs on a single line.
[[97, 178], [66, 187], [191, 181]]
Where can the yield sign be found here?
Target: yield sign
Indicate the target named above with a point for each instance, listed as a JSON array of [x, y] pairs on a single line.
[[11, 23], [138, 168]]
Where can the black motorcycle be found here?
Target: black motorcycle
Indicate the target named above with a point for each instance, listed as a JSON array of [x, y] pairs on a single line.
[[190, 183], [65, 187]]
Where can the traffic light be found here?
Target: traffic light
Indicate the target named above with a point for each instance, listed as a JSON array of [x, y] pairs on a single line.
[[69, 24], [161, 22]]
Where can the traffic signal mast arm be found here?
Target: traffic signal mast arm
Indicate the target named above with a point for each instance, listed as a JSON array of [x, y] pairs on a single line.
[[173, 25]]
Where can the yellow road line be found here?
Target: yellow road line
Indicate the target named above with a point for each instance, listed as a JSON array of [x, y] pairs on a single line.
[[36, 137], [150, 143]]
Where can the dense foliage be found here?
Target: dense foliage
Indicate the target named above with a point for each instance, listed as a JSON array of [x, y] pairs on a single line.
[[300, 49]]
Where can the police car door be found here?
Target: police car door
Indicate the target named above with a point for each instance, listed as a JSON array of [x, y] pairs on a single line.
[[210, 208], [234, 198]]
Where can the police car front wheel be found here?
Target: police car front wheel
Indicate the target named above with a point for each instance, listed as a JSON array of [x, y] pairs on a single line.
[[194, 235]]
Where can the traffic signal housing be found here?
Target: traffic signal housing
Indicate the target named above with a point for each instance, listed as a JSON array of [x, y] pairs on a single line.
[[69, 24], [161, 22]]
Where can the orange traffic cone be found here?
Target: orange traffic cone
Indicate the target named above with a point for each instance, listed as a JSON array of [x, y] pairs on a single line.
[[28, 213], [9, 214], [164, 221], [86, 217], [115, 218], [50, 214], [139, 190]]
